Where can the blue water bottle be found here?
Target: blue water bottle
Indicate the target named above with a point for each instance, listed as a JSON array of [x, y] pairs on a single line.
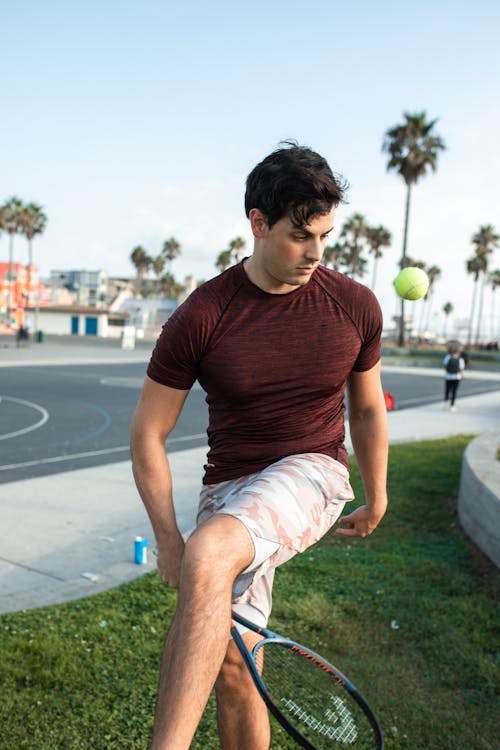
[[140, 550]]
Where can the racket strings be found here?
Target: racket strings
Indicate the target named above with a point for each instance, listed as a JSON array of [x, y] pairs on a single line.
[[312, 698]]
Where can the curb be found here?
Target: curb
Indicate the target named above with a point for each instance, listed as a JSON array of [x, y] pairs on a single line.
[[479, 494]]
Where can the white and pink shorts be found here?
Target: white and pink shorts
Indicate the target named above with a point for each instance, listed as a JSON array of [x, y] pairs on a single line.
[[286, 507]]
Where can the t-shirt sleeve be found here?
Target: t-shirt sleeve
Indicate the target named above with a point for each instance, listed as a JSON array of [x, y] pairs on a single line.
[[176, 356], [370, 327]]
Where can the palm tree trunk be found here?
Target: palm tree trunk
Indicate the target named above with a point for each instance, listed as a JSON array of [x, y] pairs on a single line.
[[353, 260], [401, 341], [429, 306], [374, 273], [30, 261], [11, 276], [480, 310], [37, 300], [493, 321], [422, 313], [473, 306]]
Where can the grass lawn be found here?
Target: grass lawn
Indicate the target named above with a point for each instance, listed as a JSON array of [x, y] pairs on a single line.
[[84, 674], [422, 357]]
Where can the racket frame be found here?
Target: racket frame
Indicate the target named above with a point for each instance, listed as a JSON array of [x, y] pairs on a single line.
[[269, 636]]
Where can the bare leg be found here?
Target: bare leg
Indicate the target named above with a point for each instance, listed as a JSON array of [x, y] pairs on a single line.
[[241, 713], [197, 641]]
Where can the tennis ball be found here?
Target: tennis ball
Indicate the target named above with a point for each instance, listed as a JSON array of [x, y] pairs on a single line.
[[411, 283]]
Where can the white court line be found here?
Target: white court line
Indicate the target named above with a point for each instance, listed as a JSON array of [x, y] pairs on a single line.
[[90, 454], [43, 412], [123, 382]]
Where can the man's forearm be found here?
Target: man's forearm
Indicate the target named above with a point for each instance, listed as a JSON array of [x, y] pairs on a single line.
[[370, 442], [154, 482]]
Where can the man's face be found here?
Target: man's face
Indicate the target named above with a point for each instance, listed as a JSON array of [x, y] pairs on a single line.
[[286, 256]]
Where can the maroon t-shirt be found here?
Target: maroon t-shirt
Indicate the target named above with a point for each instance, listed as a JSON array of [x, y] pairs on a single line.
[[274, 366]]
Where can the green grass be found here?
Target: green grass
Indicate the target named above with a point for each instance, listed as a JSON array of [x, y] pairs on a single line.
[[424, 357], [84, 674]]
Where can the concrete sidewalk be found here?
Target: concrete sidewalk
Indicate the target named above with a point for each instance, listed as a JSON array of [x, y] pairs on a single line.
[[71, 350], [70, 535]]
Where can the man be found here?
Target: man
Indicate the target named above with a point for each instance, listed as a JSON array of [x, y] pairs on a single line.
[[454, 366], [273, 341]]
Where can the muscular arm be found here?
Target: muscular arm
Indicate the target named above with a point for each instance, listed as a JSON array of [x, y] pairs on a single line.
[[368, 428], [154, 419]]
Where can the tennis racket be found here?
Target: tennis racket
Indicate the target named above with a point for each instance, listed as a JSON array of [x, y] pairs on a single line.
[[314, 702]]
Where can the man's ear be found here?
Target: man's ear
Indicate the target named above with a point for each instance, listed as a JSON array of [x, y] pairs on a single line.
[[258, 222]]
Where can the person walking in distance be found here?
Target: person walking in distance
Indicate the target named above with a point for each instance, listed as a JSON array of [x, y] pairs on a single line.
[[454, 366], [275, 341]]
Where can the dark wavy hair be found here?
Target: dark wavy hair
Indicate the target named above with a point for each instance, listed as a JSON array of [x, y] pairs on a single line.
[[293, 181]]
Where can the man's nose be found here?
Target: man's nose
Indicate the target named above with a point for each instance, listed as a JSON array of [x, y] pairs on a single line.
[[314, 250]]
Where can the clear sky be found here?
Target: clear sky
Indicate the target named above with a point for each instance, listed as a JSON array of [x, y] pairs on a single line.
[[134, 121]]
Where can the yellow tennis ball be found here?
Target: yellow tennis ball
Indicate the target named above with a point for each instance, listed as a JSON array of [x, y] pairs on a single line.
[[411, 283]]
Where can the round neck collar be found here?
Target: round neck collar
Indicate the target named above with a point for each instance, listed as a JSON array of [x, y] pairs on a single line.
[[275, 295]]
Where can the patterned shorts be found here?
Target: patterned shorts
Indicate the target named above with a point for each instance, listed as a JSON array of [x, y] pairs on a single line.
[[286, 507]]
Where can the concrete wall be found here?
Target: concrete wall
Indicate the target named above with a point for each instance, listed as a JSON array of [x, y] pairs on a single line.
[[50, 322], [479, 496]]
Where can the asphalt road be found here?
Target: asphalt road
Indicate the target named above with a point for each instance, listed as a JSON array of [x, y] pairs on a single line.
[[56, 419]]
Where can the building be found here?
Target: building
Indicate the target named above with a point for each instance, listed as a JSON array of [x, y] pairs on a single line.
[[89, 288], [82, 303], [149, 314], [17, 292], [75, 320]]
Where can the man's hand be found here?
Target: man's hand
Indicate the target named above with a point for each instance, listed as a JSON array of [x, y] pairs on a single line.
[[154, 419], [169, 560], [361, 522], [368, 428]]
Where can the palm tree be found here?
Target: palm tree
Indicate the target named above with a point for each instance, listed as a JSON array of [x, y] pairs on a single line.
[[232, 255], [377, 238], [333, 254], [356, 264], [33, 222], [433, 272], [474, 267], [494, 279], [158, 264], [171, 250], [413, 148], [410, 262], [170, 287], [11, 222], [142, 262], [485, 240], [236, 247], [223, 260], [447, 309], [353, 233]]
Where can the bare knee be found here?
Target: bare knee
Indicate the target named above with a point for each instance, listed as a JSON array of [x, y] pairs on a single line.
[[216, 553]]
